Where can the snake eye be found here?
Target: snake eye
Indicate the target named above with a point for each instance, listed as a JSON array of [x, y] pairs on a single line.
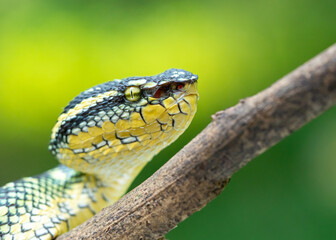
[[132, 94]]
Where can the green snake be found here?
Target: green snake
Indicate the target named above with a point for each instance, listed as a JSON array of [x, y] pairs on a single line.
[[103, 138]]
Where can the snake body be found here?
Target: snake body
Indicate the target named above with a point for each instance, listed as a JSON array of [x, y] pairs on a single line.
[[103, 138]]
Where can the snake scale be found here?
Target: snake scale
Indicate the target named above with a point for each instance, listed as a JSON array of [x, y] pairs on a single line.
[[103, 138]]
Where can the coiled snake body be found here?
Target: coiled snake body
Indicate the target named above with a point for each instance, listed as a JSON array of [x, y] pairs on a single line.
[[103, 138]]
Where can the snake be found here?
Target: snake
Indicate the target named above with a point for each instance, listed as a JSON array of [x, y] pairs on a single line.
[[103, 139]]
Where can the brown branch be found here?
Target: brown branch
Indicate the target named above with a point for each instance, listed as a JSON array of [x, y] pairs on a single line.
[[199, 172]]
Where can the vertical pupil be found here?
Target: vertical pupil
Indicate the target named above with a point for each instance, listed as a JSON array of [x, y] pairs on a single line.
[[132, 93]]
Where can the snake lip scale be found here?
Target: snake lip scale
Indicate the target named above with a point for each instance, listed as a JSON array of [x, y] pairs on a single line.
[[103, 139]]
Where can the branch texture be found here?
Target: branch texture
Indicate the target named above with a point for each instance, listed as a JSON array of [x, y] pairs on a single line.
[[200, 171]]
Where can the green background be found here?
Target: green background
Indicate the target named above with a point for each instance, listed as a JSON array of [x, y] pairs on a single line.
[[52, 50]]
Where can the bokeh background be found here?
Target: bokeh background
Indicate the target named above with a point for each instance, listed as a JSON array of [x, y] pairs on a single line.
[[52, 50]]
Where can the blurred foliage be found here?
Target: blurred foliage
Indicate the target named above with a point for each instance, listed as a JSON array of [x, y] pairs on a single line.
[[52, 50]]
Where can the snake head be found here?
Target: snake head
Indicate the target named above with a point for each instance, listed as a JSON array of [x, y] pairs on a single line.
[[124, 122]]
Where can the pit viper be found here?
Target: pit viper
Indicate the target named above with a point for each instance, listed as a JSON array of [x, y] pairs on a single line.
[[102, 139]]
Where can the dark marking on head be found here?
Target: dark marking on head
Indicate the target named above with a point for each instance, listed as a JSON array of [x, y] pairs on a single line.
[[93, 92], [86, 116], [171, 75]]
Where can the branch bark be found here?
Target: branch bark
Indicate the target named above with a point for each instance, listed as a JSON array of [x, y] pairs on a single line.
[[200, 171]]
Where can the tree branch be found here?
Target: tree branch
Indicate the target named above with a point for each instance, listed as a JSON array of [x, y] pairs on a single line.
[[200, 171]]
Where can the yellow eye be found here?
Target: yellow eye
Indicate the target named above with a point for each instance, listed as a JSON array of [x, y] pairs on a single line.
[[133, 94]]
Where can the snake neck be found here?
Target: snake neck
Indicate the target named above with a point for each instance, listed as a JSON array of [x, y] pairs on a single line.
[[81, 195], [50, 204], [104, 188], [97, 190], [119, 172]]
